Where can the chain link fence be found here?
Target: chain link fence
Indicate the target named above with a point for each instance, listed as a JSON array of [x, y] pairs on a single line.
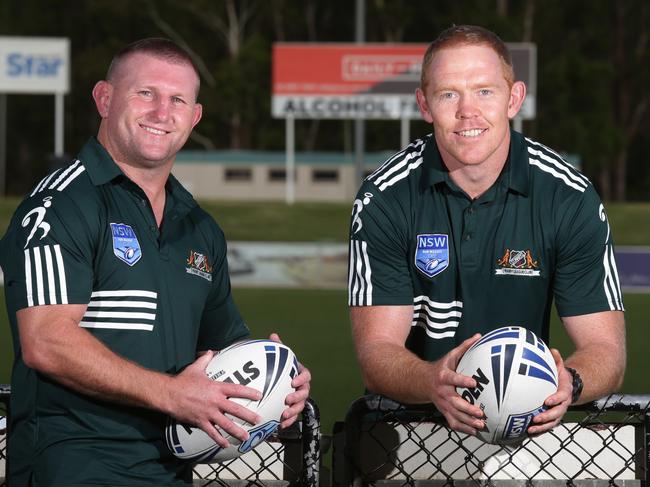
[[384, 443], [288, 458]]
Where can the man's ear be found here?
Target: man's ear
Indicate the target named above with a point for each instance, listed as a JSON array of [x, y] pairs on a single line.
[[198, 112], [517, 96], [102, 95], [422, 105]]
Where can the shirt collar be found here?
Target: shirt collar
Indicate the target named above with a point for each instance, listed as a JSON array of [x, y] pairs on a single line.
[[184, 202], [99, 165], [514, 174], [102, 169]]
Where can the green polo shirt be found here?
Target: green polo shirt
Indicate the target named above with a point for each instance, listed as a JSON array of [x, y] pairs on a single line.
[[87, 235], [472, 265]]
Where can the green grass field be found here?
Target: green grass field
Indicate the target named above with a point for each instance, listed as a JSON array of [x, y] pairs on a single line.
[[315, 323], [305, 222]]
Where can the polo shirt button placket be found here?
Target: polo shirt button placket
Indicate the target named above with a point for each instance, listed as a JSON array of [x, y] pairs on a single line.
[[469, 247]]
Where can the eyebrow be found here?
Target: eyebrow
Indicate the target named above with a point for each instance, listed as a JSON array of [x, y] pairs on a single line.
[[480, 84]]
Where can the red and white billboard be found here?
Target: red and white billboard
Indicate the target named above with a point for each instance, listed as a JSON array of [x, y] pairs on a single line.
[[355, 80], [346, 80]]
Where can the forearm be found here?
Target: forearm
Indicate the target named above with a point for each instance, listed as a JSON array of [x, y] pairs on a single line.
[[599, 355], [601, 369], [388, 368], [99, 372], [75, 358], [395, 372]]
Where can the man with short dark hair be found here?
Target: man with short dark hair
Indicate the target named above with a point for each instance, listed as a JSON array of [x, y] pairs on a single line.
[[115, 281], [472, 228]]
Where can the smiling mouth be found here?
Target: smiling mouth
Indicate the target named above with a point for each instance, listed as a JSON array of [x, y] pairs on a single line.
[[154, 131], [470, 133]]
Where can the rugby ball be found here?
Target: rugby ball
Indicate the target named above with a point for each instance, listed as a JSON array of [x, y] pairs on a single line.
[[515, 373], [264, 365]]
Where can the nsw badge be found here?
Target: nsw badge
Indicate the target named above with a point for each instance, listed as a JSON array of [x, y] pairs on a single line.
[[432, 253], [125, 243]]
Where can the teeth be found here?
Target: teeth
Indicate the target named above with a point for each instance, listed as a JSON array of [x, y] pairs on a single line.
[[471, 133], [153, 130]]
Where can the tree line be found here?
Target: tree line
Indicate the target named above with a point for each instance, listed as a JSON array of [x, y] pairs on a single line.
[[593, 72]]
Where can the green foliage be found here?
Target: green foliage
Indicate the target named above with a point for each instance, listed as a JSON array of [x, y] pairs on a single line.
[[586, 84]]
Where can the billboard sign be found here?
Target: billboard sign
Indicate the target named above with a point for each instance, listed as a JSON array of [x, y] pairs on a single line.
[[34, 65], [363, 80]]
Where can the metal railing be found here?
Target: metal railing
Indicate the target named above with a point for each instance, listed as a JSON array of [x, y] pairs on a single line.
[[386, 443]]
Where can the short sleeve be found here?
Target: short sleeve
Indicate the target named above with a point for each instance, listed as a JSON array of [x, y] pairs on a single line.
[[586, 279], [221, 322], [378, 272], [47, 253]]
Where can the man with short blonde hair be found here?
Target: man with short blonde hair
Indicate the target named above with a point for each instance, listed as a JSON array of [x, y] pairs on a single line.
[[118, 293]]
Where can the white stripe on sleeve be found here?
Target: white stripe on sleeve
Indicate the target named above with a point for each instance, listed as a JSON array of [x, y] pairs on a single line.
[[72, 177], [64, 174], [28, 278], [351, 273], [368, 273], [50, 274], [63, 285], [38, 267]]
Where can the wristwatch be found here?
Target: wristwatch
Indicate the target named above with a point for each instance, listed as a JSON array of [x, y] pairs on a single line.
[[577, 384]]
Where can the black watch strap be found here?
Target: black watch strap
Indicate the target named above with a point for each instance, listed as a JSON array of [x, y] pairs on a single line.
[[577, 384]]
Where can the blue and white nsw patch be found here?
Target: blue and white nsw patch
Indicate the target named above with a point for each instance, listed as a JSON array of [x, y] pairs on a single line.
[[125, 243], [432, 253]]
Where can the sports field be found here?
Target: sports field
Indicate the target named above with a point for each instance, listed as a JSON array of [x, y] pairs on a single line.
[[315, 323]]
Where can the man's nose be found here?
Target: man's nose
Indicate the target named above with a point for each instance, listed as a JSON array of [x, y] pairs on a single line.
[[162, 109], [467, 107]]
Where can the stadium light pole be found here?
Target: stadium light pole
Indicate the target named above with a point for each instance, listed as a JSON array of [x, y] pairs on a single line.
[[359, 123]]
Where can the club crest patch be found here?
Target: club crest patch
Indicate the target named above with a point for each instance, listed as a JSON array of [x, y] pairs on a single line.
[[432, 253], [199, 265], [125, 243], [517, 263]]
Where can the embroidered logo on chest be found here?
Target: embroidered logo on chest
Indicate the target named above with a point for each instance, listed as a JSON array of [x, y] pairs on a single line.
[[125, 243], [432, 253], [517, 263], [199, 265]]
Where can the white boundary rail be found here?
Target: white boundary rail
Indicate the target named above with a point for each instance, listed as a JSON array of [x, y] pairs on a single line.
[[385, 443]]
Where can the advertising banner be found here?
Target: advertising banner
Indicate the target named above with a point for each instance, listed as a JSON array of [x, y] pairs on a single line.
[[34, 65], [372, 81]]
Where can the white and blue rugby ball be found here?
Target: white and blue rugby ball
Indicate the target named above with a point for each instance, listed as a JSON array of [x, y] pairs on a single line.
[[264, 365], [515, 373]]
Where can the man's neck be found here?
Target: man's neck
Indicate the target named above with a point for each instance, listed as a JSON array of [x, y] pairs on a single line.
[[475, 180], [152, 182]]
